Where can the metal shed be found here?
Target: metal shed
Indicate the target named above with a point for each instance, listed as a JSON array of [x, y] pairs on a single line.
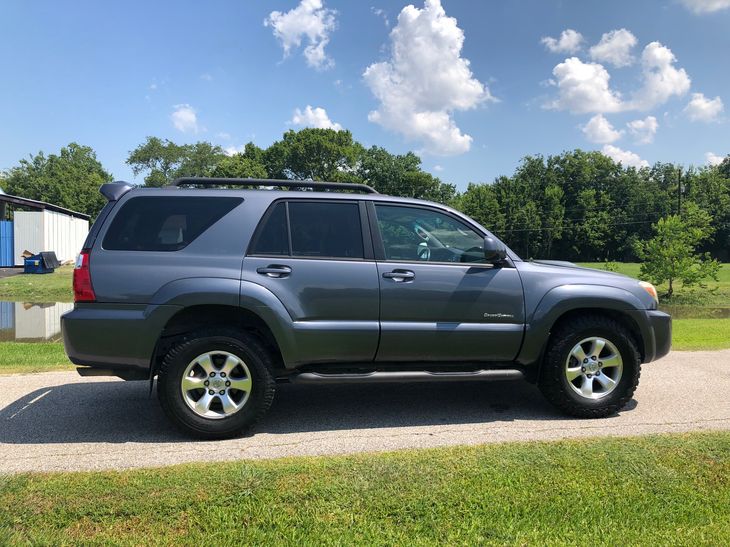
[[39, 226]]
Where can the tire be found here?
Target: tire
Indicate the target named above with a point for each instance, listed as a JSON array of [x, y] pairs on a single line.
[[244, 407], [582, 387]]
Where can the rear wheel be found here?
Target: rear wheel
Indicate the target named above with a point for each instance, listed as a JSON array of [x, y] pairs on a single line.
[[216, 384], [591, 368]]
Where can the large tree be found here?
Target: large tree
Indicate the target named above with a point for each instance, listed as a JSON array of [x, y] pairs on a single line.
[[70, 179], [162, 160]]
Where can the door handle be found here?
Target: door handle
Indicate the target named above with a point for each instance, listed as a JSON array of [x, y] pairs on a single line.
[[400, 276], [274, 270]]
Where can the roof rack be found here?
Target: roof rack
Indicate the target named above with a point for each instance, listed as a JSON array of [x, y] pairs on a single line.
[[207, 181]]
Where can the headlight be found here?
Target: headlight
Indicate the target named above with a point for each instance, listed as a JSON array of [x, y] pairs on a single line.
[[651, 289]]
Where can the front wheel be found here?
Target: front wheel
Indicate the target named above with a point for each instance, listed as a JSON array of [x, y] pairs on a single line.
[[591, 368], [216, 384]]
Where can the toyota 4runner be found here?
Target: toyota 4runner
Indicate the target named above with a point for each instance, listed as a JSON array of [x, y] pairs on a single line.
[[221, 293]]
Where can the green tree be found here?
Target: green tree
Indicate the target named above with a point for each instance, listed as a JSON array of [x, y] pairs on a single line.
[[239, 166], [480, 203], [313, 154], [671, 254], [70, 179], [162, 161]]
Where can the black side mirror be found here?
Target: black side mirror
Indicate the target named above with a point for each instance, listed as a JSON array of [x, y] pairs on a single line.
[[494, 250]]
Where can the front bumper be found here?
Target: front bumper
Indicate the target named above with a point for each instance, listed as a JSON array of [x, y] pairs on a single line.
[[656, 331]]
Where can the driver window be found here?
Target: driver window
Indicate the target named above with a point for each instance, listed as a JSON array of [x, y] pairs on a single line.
[[414, 234]]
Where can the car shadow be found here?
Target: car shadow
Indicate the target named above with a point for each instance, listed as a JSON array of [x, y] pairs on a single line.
[[119, 412]]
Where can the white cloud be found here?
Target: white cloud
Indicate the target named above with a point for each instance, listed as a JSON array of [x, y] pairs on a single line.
[[661, 79], [713, 159], [425, 80], [184, 118], [643, 130], [615, 48], [378, 12], [584, 87], [153, 87], [438, 168], [625, 157], [569, 42], [599, 130], [309, 21], [706, 6], [702, 109], [314, 117], [233, 150]]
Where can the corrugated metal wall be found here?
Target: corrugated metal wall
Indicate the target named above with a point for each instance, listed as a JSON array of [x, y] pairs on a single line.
[[6, 243], [38, 231]]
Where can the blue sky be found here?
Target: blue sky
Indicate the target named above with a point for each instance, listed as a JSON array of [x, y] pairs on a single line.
[[109, 74]]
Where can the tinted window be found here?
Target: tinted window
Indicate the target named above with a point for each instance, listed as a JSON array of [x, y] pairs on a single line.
[[417, 234], [325, 229], [164, 223], [272, 237]]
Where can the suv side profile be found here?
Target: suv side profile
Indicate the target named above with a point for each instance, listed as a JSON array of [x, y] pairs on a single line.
[[221, 293]]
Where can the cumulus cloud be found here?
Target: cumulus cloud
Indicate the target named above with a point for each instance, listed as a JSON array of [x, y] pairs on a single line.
[[644, 130], [702, 109], [706, 6], [614, 48], [625, 157], [311, 22], [661, 79], [569, 42], [584, 87], [233, 150], [599, 130], [379, 12], [713, 159], [425, 80], [314, 117], [184, 118]]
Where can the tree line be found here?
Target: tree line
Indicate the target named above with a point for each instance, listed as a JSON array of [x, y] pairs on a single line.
[[578, 205]]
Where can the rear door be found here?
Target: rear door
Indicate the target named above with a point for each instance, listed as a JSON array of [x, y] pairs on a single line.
[[439, 299], [316, 256]]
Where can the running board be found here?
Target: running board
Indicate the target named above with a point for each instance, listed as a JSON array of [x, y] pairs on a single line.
[[406, 376]]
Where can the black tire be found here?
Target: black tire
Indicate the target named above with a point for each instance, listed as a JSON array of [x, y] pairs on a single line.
[[244, 346], [555, 385]]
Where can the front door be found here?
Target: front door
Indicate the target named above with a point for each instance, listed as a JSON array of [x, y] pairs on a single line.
[[439, 299], [316, 257]]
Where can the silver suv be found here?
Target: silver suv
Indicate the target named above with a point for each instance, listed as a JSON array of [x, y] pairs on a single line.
[[221, 293]]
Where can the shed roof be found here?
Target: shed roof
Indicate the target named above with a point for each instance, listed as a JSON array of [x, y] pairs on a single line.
[[40, 205]]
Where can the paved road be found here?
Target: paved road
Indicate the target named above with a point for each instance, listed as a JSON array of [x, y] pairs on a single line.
[[60, 421]]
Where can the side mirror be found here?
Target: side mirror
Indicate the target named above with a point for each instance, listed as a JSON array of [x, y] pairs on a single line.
[[494, 250]]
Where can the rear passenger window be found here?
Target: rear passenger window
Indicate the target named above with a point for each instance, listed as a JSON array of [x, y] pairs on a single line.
[[325, 229], [316, 229], [164, 223], [272, 238]]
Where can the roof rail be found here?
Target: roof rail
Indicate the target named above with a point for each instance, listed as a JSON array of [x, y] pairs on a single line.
[[212, 181]]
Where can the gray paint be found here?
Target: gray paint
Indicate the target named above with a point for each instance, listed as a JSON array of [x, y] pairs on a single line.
[[339, 311]]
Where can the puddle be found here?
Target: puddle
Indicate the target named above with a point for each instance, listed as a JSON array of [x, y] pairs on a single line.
[[32, 322]]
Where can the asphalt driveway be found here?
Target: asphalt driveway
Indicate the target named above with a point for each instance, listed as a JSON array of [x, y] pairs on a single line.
[[60, 421]]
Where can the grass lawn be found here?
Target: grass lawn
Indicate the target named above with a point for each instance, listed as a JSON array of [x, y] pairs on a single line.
[[670, 489], [32, 357], [700, 334], [53, 287]]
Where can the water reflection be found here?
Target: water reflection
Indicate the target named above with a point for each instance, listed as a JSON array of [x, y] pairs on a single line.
[[31, 322]]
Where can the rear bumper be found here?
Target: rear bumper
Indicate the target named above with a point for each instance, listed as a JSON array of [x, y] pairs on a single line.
[[656, 331], [115, 337]]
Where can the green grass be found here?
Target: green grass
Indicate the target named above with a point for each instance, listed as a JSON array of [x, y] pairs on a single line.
[[670, 489], [24, 357], [700, 334], [53, 287]]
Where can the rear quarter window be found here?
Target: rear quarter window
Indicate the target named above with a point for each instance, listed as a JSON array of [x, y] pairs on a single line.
[[163, 223]]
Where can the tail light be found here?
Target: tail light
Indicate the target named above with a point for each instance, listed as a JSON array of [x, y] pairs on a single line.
[[83, 291]]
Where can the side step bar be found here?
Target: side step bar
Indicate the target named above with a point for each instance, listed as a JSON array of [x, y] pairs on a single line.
[[405, 376]]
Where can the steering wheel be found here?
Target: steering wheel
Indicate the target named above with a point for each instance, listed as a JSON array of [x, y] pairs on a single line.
[[424, 252], [420, 232]]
